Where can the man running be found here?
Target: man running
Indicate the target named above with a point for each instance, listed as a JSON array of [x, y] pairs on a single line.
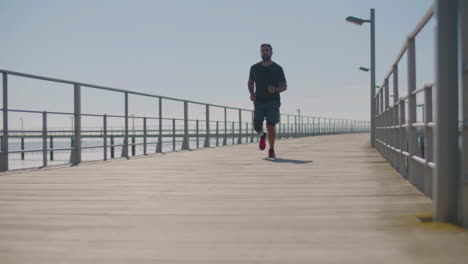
[[269, 83]]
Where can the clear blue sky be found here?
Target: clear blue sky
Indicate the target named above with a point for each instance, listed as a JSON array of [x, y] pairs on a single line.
[[202, 50]]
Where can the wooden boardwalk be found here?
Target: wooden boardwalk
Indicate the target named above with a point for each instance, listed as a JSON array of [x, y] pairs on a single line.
[[328, 199]]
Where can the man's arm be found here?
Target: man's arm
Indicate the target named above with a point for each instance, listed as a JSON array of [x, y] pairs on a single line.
[[282, 86], [250, 85]]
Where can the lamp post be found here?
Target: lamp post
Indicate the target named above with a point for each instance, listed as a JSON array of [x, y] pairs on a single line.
[[359, 21]]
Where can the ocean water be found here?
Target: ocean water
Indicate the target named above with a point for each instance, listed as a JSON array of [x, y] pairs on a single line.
[[35, 159]]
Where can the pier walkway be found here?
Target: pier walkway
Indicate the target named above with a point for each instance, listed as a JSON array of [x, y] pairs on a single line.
[[327, 199]]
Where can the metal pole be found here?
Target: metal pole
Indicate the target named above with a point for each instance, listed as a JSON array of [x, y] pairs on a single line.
[[207, 134], [396, 132], [463, 22], [402, 139], [252, 128], [414, 175], [225, 127], [246, 132], [233, 132], [133, 146], [446, 148], [159, 146], [76, 152], [217, 133], [372, 88], [173, 135], [112, 146], [44, 139], [198, 143], [22, 148], [51, 148], [104, 125], [428, 142], [125, 145], [4, 159], [387, 121], [185, 142], [239, 140], [144, 137]]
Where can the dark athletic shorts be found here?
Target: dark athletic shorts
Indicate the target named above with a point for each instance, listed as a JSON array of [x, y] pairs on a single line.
[[269, 110]]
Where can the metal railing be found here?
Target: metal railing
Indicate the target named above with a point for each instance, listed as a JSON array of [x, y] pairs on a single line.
[[181, 131], [428, 153]]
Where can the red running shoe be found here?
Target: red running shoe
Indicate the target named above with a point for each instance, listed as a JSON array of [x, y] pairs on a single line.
[[262, 143], [271, 154]]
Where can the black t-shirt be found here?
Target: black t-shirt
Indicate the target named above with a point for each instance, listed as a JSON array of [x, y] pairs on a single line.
[[264, 76]]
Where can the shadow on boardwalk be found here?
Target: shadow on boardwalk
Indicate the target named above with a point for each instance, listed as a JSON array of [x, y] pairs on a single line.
[[279, 160]]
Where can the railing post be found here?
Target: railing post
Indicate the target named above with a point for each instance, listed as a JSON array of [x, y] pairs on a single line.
[[125, 141], [396, 132], [22, 148], [207, 137], [402, 140], [239, 140], [4, 154], [112, 146], [159, 145], [186, 140], [197, 134], [246, 132], [225, 127], [233, 133], [447, 176], [217, 133], [51, 138], [104, 125], [386, 122], [313, 126], [414, 175], [144, 137], [44, 139], [428, 141], [133, 145], [252, 129], [319, 128], [173, 134], [279, 131], [463, 22], [75, 157]]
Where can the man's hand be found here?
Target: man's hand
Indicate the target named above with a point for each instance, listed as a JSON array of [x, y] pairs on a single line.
[[252, 98], [271, 89]]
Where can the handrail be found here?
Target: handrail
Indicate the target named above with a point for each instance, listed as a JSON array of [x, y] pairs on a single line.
[[239, 131], [424, 20]]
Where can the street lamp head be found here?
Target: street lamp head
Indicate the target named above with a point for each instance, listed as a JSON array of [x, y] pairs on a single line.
[[364, 69], [355, 20]]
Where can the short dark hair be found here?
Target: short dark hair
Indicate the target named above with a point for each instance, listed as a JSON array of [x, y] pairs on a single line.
[[266, 45]]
